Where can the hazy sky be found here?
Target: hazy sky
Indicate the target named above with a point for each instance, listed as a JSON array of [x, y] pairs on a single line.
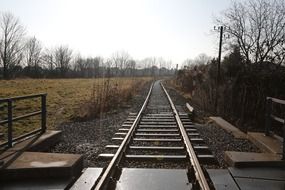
[[172, 29]]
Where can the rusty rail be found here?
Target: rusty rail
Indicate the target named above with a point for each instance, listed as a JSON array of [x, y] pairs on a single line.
[[190, 150], [10, 119]]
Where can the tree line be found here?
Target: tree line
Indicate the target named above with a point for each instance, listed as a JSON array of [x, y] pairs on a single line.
[[22, 56], [253, 69]]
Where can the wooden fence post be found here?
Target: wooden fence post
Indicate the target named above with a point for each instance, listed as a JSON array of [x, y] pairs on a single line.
[[268, 116]]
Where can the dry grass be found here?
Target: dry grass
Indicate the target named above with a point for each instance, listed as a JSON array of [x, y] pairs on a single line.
[[65, 97]]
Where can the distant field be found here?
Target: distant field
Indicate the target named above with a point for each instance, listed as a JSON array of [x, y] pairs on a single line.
[[64, 98]]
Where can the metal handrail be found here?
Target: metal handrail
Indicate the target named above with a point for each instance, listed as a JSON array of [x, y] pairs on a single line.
[[270, 116], [190, 150], [111, 168], [10, 117]]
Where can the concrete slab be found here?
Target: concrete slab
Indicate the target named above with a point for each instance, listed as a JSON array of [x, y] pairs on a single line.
[[268, 144], [87, 179], [248, 159], [258, 184], [49, 184], [40, 142], [228, 127], [37, 164], [222, 179], [269, 173], [153, 179]]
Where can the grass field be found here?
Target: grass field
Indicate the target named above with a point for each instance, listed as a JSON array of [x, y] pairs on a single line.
[[65, 97]]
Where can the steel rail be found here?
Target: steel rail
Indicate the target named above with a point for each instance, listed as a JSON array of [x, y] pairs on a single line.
[[105, 178], [192, 156]]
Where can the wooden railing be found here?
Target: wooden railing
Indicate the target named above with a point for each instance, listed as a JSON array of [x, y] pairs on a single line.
[[270, 116], [10, 119]]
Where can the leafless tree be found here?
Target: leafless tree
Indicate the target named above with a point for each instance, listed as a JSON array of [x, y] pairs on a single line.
[[63, 56], [80, 65], [202, 59], [32, 53], [11, 35], [258, 27], [120, 60], [48, 60]]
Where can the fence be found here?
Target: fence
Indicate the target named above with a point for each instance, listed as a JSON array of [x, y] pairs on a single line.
[[270, 116], [10, 119]]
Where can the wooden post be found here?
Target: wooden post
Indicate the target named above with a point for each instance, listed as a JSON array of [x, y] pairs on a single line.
[[44, 112], [283, 155], [10, 123], [268, 116]]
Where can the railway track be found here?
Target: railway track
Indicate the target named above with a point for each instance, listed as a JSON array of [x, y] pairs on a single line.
[[160, 136]]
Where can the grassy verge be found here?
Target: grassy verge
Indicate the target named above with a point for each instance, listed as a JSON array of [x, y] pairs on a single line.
[[65, 98]]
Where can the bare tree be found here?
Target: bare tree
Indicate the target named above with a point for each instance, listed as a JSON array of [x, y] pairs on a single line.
[[32, 55], [202, 59], [63, 56], [11, 35], [80, 65], [48, 60], [258, 27], [120, 60]]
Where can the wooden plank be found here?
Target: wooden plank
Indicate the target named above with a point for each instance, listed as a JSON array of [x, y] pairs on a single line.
[[157, 126], [158, 134], [206, 159], [157, 140], [157, 148], [229, 127], [112, 146], [118, 138], [268, 144], [190, 108], [157, 157], [276, 100], [196, 140], [193, 134], [247, 159], [157, 130], [124, 129], [160, 119], [105, 156], [191, 129], [120, 133], [277, 118], [157, 123]]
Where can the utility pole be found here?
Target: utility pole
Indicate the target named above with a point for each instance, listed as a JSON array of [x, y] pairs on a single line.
[[221, 28]]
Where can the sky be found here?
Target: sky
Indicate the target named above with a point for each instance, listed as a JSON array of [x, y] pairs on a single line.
[[173, 29]]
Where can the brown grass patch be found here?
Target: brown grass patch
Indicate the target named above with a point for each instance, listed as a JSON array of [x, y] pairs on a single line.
[[65, 97]]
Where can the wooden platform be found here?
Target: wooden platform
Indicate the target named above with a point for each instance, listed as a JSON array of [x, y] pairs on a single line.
[[228, 127]]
